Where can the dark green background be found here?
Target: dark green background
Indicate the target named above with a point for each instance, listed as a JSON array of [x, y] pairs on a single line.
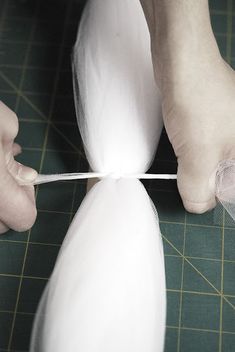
[[35, 80]]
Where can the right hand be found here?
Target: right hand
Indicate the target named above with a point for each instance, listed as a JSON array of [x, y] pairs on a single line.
[[198, 95], [199, 116]]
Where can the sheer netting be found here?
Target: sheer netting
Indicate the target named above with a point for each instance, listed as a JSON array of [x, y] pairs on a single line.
[[107, 290], [225, 185]]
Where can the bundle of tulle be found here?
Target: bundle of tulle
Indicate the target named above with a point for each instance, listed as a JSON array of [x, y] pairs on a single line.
[[225, 185], [107, 290]]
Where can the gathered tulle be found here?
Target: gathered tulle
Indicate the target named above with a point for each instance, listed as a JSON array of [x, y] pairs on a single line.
[[117, 102], [107, 290], [225, 185]]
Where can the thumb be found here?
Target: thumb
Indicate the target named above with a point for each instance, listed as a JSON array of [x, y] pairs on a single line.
[[25, 175], [196, 180]]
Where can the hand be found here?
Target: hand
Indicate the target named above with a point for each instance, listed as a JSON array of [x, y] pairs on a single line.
[[199, 115], [17, 203], [198, 94]]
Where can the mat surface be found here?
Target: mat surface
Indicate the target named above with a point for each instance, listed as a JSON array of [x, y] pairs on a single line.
[[36, 38]]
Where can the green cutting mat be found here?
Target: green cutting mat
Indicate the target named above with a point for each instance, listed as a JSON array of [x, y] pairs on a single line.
[[35, 81]]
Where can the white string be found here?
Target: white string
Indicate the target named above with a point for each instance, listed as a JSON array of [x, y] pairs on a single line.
[[86, 175]]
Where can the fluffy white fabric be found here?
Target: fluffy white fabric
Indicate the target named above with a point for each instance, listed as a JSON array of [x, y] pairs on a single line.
[[107, 291], [225, 189]]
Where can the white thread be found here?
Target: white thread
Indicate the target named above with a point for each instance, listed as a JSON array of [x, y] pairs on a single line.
[[86, 175]]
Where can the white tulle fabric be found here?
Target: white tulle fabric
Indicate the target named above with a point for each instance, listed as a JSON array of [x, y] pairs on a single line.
[[225, 185], [107, 290]]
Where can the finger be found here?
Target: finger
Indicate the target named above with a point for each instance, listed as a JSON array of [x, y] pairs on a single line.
[[30, 191], [196, 180], [24, 175], [17, 203], [16, 149], [9, 123], [18, 211], [3, 228]]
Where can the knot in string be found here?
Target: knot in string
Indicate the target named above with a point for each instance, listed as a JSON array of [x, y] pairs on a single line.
[[115, 175]]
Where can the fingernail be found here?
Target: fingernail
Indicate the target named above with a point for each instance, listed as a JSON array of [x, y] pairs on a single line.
[[27, 174]]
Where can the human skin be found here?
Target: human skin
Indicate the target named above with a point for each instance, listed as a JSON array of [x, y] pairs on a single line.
[[198, 94], [17, 202]]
